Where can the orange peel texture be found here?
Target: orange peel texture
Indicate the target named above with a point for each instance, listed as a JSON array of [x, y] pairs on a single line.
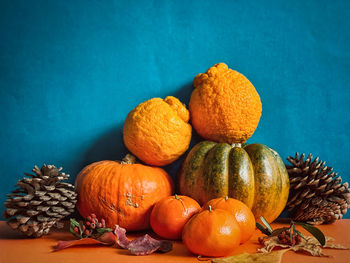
[[224, 106], [157, 131]]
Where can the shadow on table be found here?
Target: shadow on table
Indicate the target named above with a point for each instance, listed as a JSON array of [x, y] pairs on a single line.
[[7, 232]]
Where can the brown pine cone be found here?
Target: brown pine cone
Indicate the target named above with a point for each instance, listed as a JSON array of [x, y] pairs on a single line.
[[40, 201], [317, 195]]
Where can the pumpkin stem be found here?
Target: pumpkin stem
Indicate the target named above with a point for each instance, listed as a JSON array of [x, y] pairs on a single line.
[[209, 208], [128, 159], [226, 197], [239, 145], [176, 197]]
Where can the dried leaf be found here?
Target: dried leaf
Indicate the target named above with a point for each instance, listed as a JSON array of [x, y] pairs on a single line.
[[272, 257], [270, 244], [146, 245], [107, 239], [141, 246], [310, 246], [123, 241], [332, 245]]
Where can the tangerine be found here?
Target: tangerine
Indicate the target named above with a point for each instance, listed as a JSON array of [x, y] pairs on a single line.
[[212, 233], [170, 215], [241, 211]]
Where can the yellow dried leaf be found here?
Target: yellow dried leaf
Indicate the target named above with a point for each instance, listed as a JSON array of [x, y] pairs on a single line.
[[310, 246], [272, 257]]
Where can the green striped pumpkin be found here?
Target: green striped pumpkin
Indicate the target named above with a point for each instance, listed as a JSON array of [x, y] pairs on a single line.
[[254, 174]]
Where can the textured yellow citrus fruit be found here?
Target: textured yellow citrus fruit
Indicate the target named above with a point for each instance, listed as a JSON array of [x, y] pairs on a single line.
[[157, 131], [224, 105]]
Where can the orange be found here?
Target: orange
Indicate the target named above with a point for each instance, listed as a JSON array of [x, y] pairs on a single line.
[[224, 106], [170, 215], [157, 131], [212, 233], [242, 213]]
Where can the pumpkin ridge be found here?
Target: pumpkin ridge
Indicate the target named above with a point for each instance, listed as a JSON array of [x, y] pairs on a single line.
[[88, 177], [89, 189], [241, 176], [139, 203], [284, 183], [216, 171], [192, 166], [119, 210], [102, 172], [266, 196]]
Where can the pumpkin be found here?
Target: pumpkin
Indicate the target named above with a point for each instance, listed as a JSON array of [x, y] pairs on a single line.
[[241, 211], [212, 233], [253, 174], [157, 131], [123, 193], [224, 105], [170, 215]]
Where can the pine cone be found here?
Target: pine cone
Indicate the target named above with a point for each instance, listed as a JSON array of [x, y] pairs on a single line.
[[40, 201], [316, 193]]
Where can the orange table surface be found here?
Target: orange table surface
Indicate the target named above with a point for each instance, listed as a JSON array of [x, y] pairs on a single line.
[[16, 248]]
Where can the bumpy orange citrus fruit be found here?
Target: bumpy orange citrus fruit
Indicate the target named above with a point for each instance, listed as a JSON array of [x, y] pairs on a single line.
[[157, 131], [224, 106]]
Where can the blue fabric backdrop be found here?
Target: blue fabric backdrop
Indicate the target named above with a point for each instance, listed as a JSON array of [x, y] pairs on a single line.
[[70, 71]]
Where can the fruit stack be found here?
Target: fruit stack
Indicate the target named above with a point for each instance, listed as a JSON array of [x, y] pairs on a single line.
[[234, 182]]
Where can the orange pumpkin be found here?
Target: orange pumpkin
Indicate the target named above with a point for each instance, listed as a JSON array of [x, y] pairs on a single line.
[[212, 233], [123, 193], [170, 215], [241, 211]]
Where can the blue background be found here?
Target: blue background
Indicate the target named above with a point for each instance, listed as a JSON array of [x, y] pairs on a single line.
[[70, 71]]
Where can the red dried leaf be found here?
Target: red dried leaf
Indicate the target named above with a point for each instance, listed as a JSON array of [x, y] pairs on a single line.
[[107, 239], [141, 246], [122, 240]]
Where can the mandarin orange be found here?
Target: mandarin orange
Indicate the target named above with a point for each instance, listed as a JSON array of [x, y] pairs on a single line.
[[242, 213], [212, 233], [170, 215]]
